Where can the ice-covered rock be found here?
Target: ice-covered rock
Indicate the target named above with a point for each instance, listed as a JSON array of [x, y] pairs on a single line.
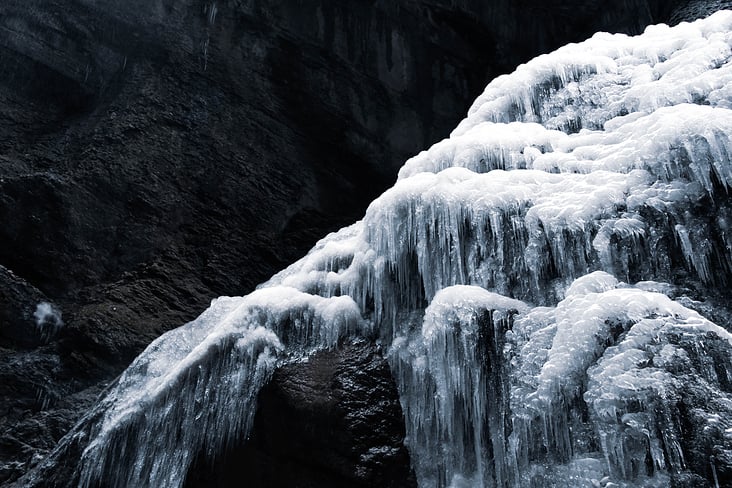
[[495, 274], [603, 375], [194, 389]]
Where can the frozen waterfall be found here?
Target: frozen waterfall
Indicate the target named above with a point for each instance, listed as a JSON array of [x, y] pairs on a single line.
[[534, 279]]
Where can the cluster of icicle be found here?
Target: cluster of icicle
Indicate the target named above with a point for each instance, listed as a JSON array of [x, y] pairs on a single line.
[[494, 274]]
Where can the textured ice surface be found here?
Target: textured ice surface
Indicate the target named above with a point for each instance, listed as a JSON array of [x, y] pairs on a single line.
[[194, 389], [452, 381], [616, 355], [48, 319], [495, 273]]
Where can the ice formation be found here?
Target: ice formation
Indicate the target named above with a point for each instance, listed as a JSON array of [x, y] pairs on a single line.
[[496, 275], [48, 319]]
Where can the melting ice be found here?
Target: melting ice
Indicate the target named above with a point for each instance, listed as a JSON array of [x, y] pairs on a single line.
[[497, 273]]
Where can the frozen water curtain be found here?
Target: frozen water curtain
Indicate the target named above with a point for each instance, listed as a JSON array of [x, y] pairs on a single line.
[[538, 281]]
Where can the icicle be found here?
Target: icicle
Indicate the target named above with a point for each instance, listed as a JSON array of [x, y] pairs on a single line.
[[457, 414]]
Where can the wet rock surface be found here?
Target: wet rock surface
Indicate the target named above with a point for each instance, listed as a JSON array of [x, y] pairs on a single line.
[[157, 154]]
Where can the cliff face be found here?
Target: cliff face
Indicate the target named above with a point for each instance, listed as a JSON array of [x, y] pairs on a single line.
[[156, 154]]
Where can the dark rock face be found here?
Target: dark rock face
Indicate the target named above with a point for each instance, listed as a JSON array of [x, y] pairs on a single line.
[[156, 154], [697, 9]]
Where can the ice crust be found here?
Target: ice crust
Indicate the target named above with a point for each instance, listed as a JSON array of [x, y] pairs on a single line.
[[495, 275]]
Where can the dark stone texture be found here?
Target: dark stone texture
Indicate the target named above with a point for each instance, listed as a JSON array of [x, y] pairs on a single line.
[[155, 154], [696, 9], [18, 328]]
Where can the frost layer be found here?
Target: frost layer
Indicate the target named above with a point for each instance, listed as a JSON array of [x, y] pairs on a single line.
[[494, 273]]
